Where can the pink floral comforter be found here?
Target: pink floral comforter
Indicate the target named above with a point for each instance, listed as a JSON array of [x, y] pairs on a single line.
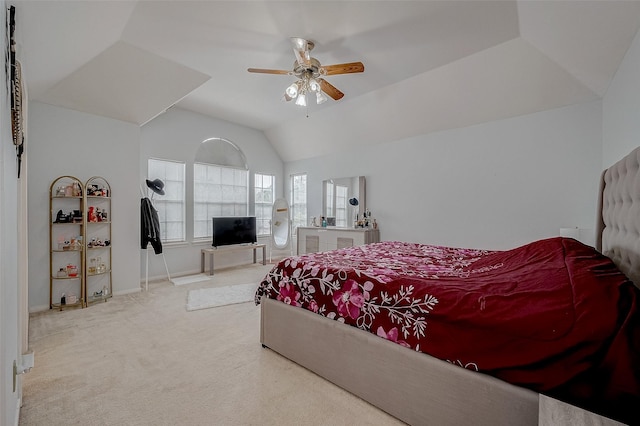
[[554, 315]]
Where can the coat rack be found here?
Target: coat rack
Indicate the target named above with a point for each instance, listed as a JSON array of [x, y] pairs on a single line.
[[157, 187]]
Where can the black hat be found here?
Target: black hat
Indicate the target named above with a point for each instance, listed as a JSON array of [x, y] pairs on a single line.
[[353, 201], [156, 186]]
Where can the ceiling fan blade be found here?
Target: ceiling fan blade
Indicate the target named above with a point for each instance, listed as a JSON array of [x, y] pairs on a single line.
[[302, 49], [330, 89], [348, 68], [264, 71]]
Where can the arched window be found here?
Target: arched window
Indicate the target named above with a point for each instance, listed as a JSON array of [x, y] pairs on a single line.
[[220, 184]]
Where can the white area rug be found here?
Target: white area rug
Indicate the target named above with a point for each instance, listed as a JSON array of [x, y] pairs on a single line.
[[203, 298], [190, 279]]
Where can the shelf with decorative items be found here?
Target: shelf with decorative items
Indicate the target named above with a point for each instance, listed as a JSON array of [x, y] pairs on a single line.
[[66, 243], [98, 282], [79, 242]]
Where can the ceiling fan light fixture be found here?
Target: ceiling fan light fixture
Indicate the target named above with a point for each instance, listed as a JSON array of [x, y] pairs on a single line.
[[314, 86], [301, 100], [320, 97], [292, 91], [309, 74]]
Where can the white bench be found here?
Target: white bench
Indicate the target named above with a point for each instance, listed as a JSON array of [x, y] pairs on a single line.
[[226, 249]]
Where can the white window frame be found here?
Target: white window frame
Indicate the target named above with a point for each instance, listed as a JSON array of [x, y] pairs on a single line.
[[329, 199], [342, 193], [298, 192], [227, 194], [264, 193], [171, 205]]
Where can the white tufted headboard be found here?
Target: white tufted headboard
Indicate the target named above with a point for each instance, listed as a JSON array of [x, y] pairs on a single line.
[[618, 234]]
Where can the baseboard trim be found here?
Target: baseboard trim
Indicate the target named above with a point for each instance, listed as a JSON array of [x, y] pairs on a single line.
[[18, 406], [42, 308], [128, 291], [164, 277], [39, 308]]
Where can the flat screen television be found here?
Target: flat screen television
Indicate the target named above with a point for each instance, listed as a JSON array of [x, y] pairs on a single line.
[[234, 230]]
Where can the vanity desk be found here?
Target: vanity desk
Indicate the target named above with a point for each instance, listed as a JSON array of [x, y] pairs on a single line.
[[345, 194], [312, 239]]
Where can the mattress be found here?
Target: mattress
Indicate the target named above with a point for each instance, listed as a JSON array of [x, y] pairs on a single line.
[[554, 316]]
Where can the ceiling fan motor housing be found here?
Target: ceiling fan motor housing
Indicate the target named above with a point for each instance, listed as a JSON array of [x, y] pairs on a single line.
[[313, 68]]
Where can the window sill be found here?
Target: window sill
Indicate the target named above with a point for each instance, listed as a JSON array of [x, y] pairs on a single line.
[[175, 244]]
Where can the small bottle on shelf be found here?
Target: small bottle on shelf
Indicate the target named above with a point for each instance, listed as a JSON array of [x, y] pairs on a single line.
[[72, 270], [92, 266]]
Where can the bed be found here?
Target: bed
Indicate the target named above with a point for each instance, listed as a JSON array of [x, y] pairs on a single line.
[[446, 336]]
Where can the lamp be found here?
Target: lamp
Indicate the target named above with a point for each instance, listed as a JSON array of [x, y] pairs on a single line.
[[314, 86], [354, 202], [301, 100], [320, 98], [292, 91], [307, 84]]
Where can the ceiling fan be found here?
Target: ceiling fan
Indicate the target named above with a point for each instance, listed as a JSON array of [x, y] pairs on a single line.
[[310, 74]]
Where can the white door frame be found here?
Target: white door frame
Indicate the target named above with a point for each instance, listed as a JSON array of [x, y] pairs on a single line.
[[23, 259]]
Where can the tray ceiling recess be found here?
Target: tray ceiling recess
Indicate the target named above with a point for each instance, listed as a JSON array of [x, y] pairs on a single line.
[[126, 83]]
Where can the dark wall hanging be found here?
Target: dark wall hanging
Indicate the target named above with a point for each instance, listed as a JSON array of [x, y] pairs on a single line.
[[15, 87]]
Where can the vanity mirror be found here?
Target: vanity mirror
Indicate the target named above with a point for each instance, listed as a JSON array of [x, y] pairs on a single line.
[[337, 192]]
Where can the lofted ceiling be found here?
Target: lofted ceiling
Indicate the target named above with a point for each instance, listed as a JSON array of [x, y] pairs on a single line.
[[429, 65]]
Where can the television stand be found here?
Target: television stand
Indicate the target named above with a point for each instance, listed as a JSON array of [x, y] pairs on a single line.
[[225, 249]]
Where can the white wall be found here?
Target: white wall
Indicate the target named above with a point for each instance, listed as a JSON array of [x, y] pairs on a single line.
[[10, 347], [66, 142], [621, 109], [176, 135], [495, 185]]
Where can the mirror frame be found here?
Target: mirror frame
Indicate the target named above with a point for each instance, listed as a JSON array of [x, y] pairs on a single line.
[[357, 189], [280, 221]]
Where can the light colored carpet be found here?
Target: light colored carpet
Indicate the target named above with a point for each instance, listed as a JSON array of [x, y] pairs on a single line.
[[190, 279], [203, 298], [142, 359]]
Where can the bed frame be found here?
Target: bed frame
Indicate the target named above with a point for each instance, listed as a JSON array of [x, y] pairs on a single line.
[[420, 389]]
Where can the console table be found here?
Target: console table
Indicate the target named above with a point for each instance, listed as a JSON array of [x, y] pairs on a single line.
[[226, 249]]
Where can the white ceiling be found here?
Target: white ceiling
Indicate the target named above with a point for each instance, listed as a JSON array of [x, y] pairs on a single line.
[[429, 65]]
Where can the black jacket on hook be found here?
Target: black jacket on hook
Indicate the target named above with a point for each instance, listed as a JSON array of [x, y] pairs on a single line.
[[149, 226]]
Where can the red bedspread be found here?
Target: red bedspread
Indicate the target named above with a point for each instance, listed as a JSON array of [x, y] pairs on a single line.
[[554, 316]]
